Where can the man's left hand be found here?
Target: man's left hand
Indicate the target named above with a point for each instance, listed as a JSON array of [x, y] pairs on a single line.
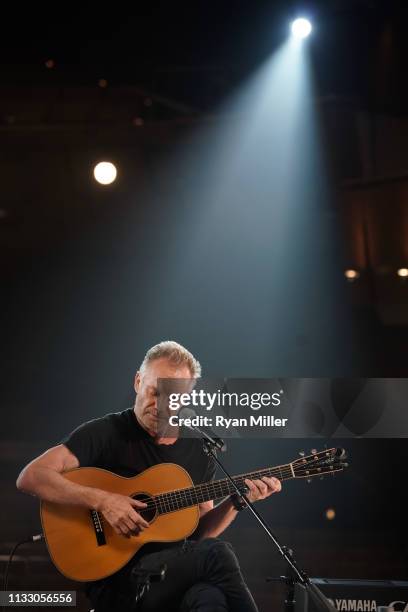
[[260, 489]]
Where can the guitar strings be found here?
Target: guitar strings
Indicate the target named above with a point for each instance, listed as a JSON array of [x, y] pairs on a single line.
[[171, 501], [216, 489], [182, 498]]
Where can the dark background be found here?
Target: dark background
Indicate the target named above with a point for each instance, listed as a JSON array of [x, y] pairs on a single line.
[[92, 277]]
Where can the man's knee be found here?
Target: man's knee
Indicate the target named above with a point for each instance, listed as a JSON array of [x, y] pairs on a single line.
[[203, 597], [219, 553]]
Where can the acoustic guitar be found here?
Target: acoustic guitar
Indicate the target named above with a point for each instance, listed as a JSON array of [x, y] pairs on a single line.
[[84, 547]]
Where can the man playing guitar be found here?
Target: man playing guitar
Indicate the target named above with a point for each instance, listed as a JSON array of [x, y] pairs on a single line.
[[203, 573]]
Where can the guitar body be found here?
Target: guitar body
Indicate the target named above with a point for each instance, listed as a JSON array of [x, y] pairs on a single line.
[[84, 548]]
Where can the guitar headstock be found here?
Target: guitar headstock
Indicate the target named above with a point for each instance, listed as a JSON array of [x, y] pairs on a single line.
[[327, 461]]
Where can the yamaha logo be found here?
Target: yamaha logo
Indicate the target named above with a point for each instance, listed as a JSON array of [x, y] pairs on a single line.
[[368, 605], [355, 605]]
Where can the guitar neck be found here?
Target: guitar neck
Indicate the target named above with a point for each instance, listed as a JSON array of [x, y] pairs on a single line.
[[217, 489]]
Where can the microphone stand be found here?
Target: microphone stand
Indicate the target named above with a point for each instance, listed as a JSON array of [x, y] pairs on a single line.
[[295, 574]]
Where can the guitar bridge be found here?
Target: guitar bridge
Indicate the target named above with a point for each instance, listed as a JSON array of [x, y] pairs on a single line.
[[98, 527]]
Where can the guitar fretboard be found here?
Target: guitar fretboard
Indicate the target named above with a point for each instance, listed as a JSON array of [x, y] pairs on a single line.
[[217, 489]]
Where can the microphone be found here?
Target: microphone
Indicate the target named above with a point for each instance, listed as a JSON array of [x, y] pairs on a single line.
[[207, 433]]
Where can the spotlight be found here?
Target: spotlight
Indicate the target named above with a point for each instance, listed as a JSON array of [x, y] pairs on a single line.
[[351, 275], [330, 514], [105, 173], [301, 28], [403, 272]]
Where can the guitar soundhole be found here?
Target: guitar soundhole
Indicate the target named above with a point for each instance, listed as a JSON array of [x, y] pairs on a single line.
[[149, 513]]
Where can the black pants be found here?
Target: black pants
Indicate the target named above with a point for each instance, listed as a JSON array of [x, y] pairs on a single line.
[[201, 576]]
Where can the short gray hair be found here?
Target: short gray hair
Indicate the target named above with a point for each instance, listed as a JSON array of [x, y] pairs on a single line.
[[175, 353]]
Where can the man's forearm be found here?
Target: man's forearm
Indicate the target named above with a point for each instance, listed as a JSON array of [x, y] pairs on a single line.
[[215, 521], [49, 485]]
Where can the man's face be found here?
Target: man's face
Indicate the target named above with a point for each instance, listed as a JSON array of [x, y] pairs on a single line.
[[147, 392]]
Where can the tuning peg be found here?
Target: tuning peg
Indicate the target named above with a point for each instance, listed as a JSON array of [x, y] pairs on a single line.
[[313, 451], [309, 480], [302, 453]]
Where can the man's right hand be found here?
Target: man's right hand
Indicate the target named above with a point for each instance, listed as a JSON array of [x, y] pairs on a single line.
[[120, 512]]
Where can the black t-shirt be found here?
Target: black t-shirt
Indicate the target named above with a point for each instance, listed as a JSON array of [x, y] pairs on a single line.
[[118, 443]]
